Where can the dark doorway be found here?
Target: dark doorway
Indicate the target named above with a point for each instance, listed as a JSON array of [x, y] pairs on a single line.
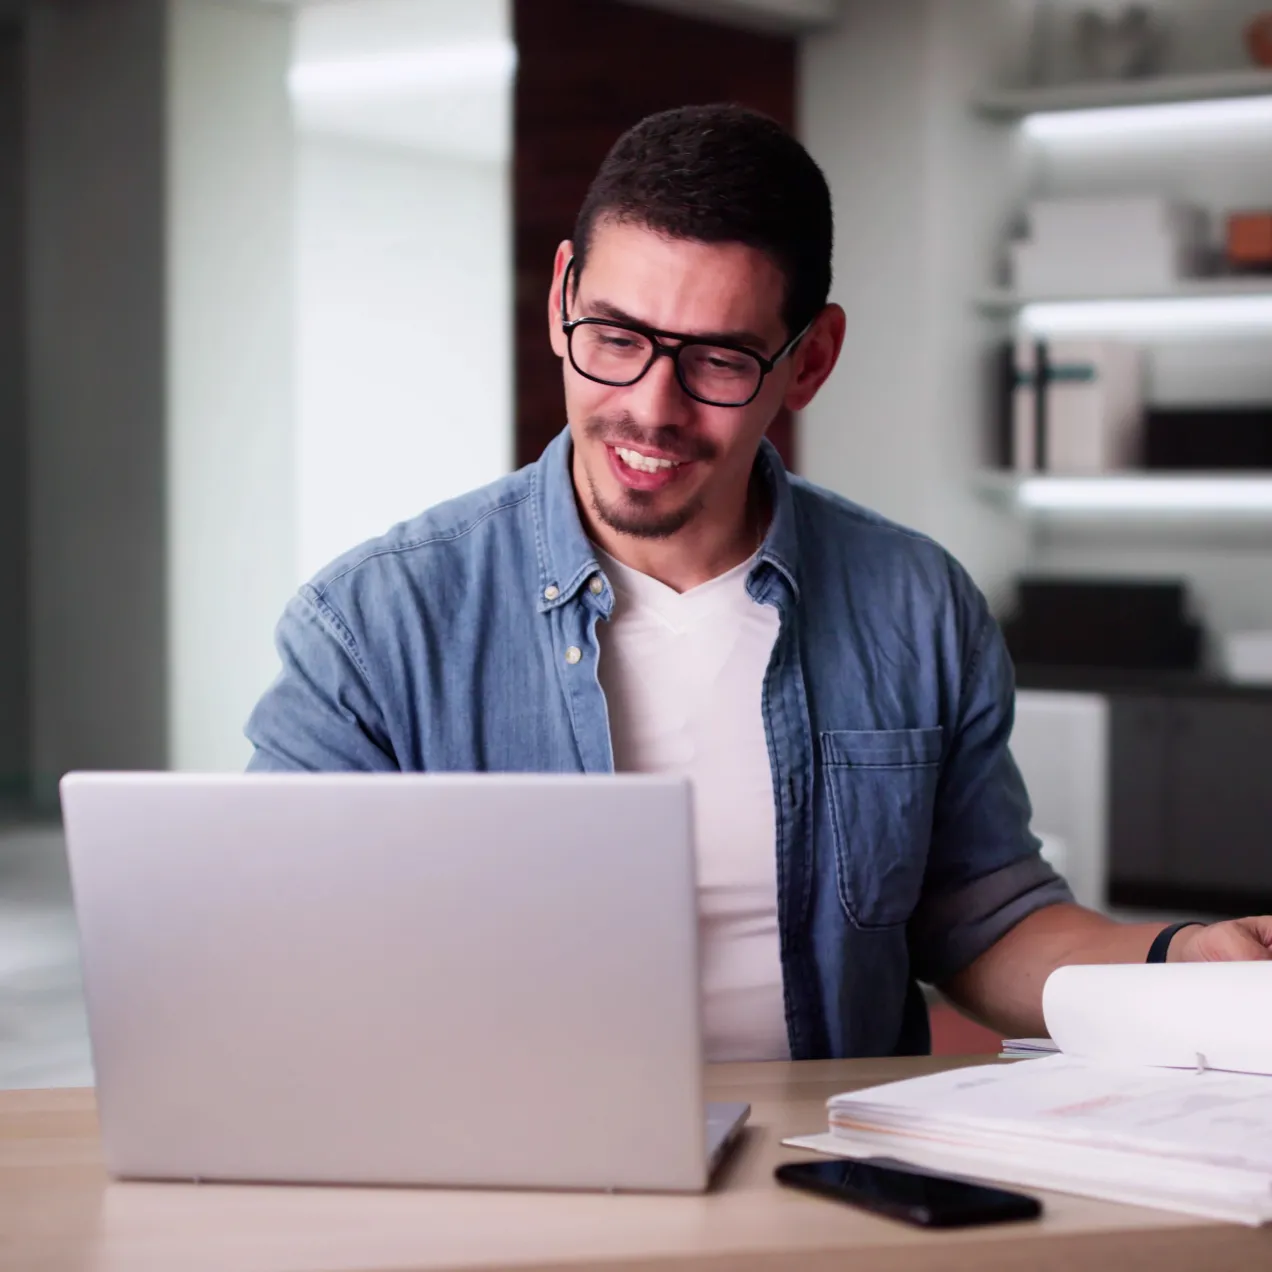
[[587, 70]]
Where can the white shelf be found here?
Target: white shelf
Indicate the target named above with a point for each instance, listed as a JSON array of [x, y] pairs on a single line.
[[1003, 303], [1014, 104], [1224, 497]]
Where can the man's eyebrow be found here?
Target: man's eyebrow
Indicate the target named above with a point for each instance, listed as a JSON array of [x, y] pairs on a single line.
[[749, 339]]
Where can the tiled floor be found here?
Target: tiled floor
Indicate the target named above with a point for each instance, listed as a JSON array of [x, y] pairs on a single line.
[[43, 1030]]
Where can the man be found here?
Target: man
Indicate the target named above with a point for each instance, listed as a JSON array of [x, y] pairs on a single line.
[[657, 594]]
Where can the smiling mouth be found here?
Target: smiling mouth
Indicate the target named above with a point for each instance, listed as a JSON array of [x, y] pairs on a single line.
[[645, 463]]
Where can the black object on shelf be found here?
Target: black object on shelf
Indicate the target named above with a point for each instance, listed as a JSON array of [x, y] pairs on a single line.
[[1120, 623], [1004, 398], [1208, 439], [1009, 378]]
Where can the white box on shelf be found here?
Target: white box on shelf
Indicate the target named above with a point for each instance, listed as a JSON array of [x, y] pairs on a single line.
[[1077, 221], [1246, 656], [1152, 263], [1099, 246], [1092, 409]]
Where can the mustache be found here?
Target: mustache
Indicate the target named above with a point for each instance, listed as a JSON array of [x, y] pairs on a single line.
[[666, 439]]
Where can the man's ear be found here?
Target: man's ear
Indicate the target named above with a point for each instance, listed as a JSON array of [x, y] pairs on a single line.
[[815, 357], [563, 254]]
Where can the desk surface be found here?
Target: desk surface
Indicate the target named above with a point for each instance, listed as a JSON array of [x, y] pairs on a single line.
[[60, 1213]]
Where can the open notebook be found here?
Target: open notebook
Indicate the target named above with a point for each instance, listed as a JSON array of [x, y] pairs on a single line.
[[1160, 1095]]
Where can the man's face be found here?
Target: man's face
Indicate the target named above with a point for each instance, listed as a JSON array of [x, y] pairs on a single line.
[[726, 291]]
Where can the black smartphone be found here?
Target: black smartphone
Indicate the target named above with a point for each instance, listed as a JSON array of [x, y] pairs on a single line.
[[901, 1192]]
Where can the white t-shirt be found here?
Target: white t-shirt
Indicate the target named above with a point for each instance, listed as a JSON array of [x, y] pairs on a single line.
[[683, 675]]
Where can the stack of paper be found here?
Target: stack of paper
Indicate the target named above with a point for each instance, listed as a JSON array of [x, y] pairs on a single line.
[[1162, 1098], [1027, 1048]]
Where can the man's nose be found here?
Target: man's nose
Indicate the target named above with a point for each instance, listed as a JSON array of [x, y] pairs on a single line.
[[657, 398]]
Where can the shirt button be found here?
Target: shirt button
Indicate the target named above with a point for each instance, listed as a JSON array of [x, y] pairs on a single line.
[[551, 592], [573, 654], [597, 585]]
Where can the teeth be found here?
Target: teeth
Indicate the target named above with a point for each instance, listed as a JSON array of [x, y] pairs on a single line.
[[644, 463]]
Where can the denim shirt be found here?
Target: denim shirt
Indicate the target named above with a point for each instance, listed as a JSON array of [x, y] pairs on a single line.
[[466, 640]]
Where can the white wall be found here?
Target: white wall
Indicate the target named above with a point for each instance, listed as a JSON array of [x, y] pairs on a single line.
[[95, 205], [403, 338], [160, 371], [228, 386], [404, 260], [14, 617], [232, 552], [862, 115], [922, 192]]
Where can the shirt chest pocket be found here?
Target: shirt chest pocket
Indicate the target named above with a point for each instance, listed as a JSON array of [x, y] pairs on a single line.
[[881, 788]]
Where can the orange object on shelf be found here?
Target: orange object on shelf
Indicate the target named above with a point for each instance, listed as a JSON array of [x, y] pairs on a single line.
[[1259, 39], [1249, 243]]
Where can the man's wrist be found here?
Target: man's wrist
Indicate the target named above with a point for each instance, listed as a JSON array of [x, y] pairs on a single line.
[[1169, 945]]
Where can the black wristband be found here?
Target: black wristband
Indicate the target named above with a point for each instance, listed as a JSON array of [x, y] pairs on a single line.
[[1161, 942]]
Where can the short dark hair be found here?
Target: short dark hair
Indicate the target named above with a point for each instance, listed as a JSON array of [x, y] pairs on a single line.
[[721, 174]]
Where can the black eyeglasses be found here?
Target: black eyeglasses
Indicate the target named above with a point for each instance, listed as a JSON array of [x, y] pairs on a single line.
[[620, 353]]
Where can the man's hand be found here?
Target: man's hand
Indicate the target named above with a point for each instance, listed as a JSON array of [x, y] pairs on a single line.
[[1237, 940]]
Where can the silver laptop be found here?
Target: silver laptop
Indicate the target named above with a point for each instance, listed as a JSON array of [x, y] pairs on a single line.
[[467, 980]]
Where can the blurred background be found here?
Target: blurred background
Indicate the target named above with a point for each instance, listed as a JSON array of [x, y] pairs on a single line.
[[273, 276]]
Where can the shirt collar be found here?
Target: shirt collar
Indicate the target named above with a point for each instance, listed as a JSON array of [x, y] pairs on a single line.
[[566, 557], [780, 548]]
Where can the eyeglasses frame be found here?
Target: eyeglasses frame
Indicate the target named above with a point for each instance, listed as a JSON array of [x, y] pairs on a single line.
[[660, 350]]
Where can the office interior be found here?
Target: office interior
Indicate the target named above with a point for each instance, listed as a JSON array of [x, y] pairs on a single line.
[[272, 278]]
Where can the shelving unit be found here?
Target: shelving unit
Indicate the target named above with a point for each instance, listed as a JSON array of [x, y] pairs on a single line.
[[1240, 306], [1012, 104]]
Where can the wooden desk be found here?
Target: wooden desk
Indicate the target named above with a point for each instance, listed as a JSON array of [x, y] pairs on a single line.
[[60, 1213]]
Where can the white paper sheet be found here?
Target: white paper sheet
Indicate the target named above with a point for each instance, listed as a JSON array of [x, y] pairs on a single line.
[[1027, 1048], [1165, 1014]]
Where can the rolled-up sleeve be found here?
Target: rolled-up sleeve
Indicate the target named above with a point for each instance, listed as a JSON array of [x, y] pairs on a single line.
[[320, 714], [984, 872]]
